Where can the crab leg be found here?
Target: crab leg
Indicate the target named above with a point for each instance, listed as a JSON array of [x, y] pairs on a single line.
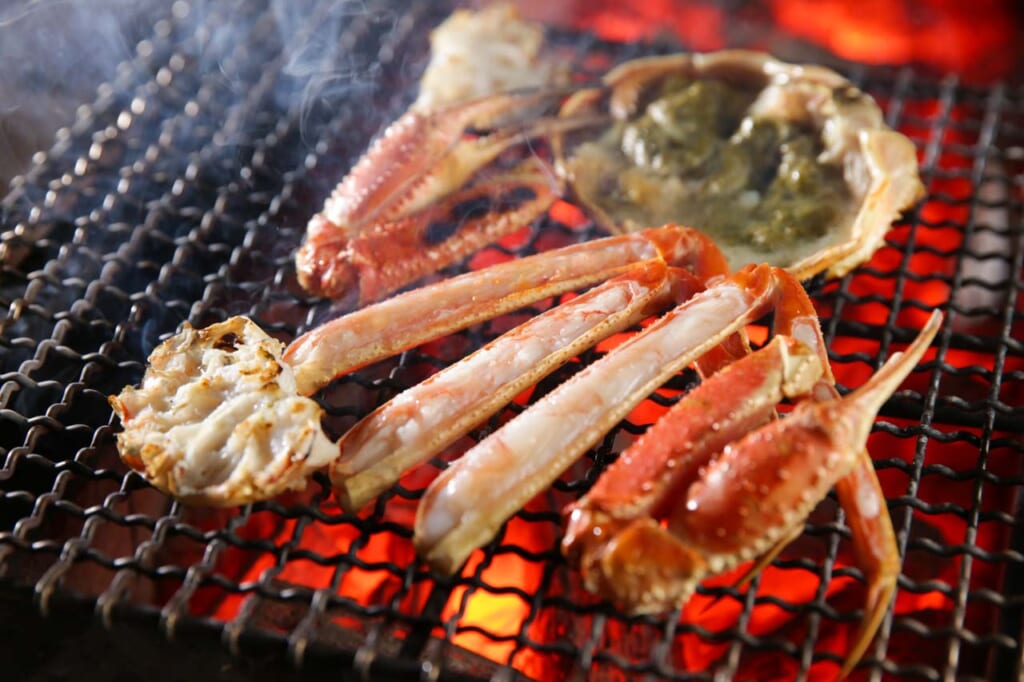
[[390, 180], [761, 486], [726, 502], [376, 261], [396, 196], [389, 327], [874, 544], [667, 459], [282, 442], [608, 525], [528, 453], [823, 439], [433, 414]]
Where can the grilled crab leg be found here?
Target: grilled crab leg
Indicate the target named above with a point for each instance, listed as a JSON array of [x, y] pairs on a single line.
[[424, 419], [414, 317], [220, 418], [528, 453], [414, 204], [687, 499]]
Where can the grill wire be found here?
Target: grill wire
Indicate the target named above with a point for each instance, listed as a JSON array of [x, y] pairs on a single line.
[[180, 193]]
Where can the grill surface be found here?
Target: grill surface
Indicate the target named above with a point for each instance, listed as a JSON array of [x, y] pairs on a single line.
[[180, 193]]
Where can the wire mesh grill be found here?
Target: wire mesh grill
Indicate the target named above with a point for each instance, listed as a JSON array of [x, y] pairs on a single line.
[[180, 195]]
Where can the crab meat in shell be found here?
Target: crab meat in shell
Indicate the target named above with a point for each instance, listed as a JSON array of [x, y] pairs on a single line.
[[786, 164]]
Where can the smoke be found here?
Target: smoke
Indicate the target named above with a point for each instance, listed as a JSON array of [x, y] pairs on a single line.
[[320, 68], [56, 52]]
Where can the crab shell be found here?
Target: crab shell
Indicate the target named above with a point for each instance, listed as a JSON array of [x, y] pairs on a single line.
[[879, 165]]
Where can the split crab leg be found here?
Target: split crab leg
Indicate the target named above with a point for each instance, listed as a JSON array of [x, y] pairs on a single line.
[[428, 417], [418, 201], [528, 453], [714, 483], [221, 417]]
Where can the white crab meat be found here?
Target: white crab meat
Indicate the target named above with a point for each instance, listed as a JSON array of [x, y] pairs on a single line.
[[217, 419]]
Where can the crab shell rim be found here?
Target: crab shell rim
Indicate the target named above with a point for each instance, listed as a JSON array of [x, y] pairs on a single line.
[[884, 160]]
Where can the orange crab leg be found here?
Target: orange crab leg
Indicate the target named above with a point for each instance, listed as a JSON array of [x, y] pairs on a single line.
[[752, 495], [433, 414], [874, 544], [389, 205], [649, 474], [528, 453], [391, 179], [604, 527], [378, 260], [389, 327]]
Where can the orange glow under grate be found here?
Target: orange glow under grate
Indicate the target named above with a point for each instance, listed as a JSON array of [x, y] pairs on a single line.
[[951, 469]]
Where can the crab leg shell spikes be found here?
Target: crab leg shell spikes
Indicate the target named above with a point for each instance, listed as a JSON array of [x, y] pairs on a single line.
[[409, 319], [641, 485], [528, 453], [426, 418]]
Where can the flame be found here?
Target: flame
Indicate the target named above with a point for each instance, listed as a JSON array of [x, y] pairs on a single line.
[[488, 618], [698, 24]]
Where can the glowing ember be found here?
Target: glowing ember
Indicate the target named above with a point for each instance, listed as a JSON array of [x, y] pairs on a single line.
[[978, 39]]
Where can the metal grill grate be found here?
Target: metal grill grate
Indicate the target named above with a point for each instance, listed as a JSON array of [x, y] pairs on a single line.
[[180, 194]]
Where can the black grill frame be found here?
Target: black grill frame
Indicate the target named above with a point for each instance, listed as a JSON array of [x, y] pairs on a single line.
[[189, 209]]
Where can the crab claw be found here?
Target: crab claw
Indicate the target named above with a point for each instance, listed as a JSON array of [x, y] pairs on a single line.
[[217, 419]]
